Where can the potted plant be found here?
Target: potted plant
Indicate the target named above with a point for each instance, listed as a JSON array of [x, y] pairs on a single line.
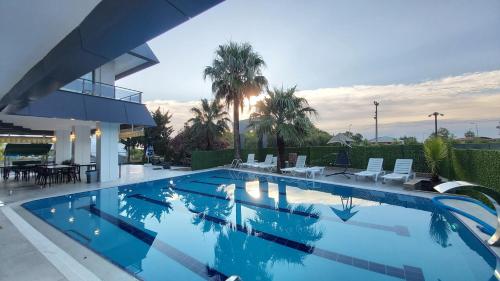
[[435, 151]]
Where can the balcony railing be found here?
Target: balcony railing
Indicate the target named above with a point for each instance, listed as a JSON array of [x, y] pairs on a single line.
[[87, 87]]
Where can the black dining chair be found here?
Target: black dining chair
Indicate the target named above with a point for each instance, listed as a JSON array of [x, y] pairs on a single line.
[[76, 173]]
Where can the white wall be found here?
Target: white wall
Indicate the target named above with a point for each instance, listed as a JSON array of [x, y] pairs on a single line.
[[107, 151], [81, 145], [62, 145]]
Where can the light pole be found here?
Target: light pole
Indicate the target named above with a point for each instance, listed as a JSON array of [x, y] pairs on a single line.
[[477, 128], [436, 114], [376, 103]]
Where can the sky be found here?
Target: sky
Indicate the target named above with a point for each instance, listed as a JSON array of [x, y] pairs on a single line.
[[414, 57]]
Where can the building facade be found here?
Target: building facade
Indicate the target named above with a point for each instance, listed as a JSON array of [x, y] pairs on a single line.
[[59, 65]]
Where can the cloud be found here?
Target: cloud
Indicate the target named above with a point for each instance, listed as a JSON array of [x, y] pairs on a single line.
[[403, 108], [463, 98]]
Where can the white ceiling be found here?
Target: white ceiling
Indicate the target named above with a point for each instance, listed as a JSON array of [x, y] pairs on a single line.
[[41, 123], [30, 29]]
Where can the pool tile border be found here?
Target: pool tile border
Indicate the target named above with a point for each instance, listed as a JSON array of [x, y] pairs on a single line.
[[180, 257]]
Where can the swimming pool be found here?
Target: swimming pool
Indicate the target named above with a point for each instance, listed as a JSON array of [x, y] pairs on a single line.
[[211, 225]]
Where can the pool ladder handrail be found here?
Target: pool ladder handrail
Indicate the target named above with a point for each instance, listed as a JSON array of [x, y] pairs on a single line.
[[234, 278], [236, 163]]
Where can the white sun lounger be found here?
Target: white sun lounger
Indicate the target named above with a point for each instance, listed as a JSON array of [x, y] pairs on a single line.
[[402, 171], [267, 161], [310, 171], [373, 170], [300, 164], [250, 161], [270, 166]]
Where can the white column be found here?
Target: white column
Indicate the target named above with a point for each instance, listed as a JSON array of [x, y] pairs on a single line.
[[107, 151], [81, 145], [62, 146]]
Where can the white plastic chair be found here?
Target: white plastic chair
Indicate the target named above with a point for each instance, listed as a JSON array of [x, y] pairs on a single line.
[[250, 161], [271, 165], [402, 171], [299, 165], [373, 170], [267, 161]]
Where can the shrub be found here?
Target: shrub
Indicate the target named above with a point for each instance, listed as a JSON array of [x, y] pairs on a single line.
[[435, 151]]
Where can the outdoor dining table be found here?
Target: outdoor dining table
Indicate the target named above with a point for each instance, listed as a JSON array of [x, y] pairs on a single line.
[[90, 166]]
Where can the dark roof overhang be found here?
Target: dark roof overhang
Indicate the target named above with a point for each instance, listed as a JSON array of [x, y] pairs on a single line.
[[145, 54], [110, 30]]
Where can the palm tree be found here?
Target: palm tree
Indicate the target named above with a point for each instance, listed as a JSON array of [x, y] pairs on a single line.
[[435, 151], [284, 115], [236, 74], [210, 121]]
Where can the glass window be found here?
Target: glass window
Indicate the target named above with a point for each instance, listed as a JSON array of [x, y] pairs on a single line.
[[88, 76]]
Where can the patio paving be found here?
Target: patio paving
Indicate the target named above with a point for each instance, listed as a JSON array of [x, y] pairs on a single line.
[[19, 254]]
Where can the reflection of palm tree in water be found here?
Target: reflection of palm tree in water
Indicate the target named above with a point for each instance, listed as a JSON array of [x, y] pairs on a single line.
[[138, 212], [288, 225], [214, 207], [237, 253], [346, 212], [249, 255], [439, 228]]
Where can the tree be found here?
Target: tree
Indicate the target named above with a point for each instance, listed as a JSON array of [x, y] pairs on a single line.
[[210, 122], [470, 134], [283, 115], [444, 133], [251, 140], [357, 138], [316, 137], [435, 151], [182, 145], [159, 136], [130, 143], [236, 74]]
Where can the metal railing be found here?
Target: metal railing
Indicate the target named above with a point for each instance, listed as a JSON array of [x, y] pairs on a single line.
[[88, 87]]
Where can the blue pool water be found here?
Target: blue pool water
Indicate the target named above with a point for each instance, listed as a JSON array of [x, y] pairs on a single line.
[[210, 225]]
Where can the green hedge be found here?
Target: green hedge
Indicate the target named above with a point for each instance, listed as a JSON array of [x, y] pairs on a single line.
[[213, 158], [319, 156], [478, 166]]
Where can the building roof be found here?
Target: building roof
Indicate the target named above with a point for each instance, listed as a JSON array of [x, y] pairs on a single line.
[[384, 139]]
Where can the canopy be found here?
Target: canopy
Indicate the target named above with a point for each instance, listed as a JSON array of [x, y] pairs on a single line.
[[12, 149], [341, 138]]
